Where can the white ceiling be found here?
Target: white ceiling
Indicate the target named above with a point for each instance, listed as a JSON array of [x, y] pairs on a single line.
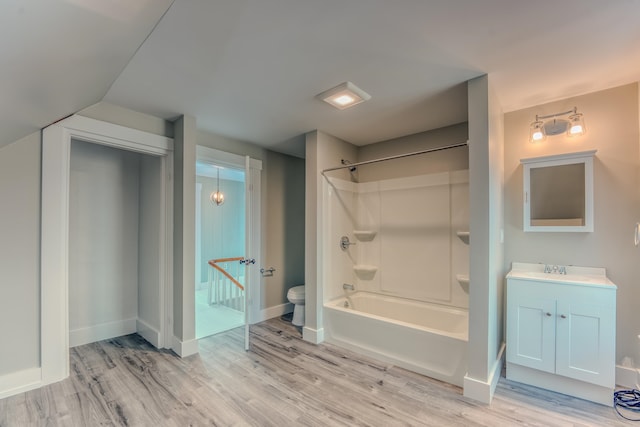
[[249, 69]]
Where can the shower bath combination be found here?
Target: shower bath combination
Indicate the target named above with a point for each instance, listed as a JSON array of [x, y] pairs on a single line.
[[397, 267]]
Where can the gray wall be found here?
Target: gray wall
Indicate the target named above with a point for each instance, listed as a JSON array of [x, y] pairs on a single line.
[[20, 254], [611, 119], [149, 250], [284, 222], [440, 161], [222, 227], [103, 235]]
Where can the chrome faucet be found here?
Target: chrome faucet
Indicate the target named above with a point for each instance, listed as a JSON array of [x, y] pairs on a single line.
[[347, 287], [555, 269]]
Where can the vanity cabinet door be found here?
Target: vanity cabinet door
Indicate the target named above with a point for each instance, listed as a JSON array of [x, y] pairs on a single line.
[[531, 323], [586, 339]]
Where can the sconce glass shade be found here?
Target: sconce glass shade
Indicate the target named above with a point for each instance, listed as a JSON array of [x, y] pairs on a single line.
[[576, 125], [536, 131], [217, 197]]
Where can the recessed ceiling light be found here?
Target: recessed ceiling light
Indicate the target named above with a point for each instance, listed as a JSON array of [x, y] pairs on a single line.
[[344, 95]]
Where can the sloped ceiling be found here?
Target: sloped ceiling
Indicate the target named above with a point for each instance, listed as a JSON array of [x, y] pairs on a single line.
[[57, 57], [250, 69]]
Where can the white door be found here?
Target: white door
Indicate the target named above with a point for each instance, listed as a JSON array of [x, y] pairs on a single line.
[[530, 329], [585, 346]]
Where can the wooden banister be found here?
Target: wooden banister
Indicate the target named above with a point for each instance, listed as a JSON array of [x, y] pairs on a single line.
[[213, 263]]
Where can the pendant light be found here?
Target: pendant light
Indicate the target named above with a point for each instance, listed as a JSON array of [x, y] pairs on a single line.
[[217, 197]]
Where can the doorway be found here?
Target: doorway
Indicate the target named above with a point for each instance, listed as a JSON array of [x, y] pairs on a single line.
[[55, 233], [220, 235], [228, 285]]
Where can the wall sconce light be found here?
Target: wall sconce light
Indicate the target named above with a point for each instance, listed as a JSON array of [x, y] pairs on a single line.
[[217, 197], [573, 125]]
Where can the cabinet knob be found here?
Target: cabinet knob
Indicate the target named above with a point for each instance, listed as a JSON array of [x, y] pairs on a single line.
[[563, 316], [548, 314]]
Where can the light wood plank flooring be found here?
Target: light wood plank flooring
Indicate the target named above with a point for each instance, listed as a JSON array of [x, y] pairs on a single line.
[[281, 381]]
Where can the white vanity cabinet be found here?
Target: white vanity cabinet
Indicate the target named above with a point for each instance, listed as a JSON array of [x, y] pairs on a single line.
[[561, 331]]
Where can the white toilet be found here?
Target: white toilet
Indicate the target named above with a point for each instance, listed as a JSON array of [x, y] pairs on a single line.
[[296, 297]]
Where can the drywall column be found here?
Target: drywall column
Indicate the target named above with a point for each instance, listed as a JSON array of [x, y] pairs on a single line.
[[486, 263], [322, 151], [184, 231]]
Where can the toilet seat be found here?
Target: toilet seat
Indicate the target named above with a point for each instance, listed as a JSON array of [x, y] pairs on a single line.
[[296, 292]]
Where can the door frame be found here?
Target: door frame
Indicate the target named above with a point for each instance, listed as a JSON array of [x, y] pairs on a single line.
[[253, 186], [54, 256]]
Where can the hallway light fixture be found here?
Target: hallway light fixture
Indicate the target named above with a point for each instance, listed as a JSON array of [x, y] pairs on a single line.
[[573, 125], [344, 95], [217, 197]]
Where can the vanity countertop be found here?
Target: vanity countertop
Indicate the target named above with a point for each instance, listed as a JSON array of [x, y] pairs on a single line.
[[588, 276]]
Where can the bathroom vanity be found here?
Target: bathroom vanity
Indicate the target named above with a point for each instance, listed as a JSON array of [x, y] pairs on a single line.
[[561, 330]]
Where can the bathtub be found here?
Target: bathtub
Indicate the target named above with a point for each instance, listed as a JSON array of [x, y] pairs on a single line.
[[426, 338]]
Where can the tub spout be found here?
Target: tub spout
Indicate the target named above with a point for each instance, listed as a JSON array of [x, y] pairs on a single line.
[[347, 287]]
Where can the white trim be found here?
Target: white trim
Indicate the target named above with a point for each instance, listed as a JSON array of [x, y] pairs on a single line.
[[117, 136], [102, 331], [483, 391], [56, 149], [315, 336], [627, 377], [148, 332], [184, 348], [275, 311], [19, 382]]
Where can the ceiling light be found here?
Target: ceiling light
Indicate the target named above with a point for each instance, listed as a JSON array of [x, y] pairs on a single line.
[[344, 95], [573, 126]]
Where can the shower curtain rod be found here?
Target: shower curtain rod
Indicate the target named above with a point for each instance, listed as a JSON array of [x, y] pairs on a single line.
[[399, 156]]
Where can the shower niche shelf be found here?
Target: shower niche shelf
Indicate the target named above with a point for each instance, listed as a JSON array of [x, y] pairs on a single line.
[[365, 272], [365, 235], [463, 235]]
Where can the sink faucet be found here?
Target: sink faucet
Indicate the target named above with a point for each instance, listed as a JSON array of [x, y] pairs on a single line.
[[562, 269], [547, 268]]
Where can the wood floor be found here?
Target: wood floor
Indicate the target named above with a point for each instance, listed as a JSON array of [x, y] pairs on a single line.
[[281, 381]]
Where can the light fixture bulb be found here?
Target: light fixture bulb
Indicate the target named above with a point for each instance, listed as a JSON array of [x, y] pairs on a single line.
[[576, 125], [217, 197], [344, 100], [536, 132]]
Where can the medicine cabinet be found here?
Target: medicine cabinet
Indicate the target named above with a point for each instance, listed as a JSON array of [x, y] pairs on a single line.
[[558, 192]]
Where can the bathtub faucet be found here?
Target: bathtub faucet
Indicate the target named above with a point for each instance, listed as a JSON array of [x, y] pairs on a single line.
[[347, 287]]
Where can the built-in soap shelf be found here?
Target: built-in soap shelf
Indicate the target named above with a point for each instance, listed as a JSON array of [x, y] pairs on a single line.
[[463, 279], [364, 235], [463, 235], [365, 272]]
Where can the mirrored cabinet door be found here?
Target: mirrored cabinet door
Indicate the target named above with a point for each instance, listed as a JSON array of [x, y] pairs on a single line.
[[558, 192]]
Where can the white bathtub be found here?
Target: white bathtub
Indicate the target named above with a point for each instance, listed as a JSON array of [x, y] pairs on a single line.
[[426, 338]]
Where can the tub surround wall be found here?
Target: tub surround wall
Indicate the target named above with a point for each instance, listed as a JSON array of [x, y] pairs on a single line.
[[405, 240]]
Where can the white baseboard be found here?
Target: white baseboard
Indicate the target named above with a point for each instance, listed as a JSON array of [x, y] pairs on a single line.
[[627, 377], [482, 391], [148, 332], [101, 332], [19, 382], [275, 311], [185, 348], [315, 336]]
